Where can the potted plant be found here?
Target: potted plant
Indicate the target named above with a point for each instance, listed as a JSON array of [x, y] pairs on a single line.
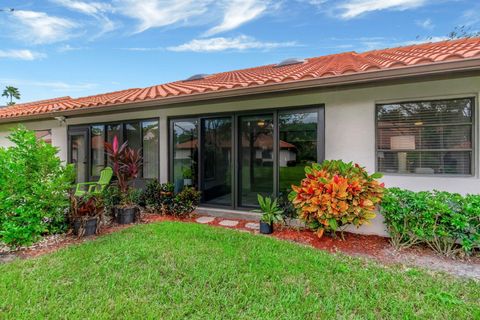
[[126, 164], [271, 213], [85, 214], [187, 176]]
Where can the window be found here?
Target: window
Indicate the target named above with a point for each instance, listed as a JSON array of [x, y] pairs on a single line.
[[141, 135], [427, 137], [45, 135]]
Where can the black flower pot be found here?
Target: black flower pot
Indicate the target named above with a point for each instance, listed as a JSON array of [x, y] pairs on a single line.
[[90, 227], [266, 228], [126, 215]]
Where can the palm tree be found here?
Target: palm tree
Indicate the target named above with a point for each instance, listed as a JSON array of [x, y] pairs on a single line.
[[10, 93]]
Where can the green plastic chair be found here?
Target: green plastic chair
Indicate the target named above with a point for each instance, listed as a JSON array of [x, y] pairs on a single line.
[[94, 188]]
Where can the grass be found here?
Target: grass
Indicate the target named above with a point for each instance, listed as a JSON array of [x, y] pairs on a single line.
[[177, 270]]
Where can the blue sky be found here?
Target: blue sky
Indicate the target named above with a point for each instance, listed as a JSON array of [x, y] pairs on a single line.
[[52, 48]]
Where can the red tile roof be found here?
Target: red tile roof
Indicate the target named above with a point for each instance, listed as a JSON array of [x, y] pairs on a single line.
[[314, 68]]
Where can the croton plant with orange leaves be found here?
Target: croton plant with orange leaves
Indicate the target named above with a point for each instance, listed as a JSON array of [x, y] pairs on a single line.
[[334, 194]]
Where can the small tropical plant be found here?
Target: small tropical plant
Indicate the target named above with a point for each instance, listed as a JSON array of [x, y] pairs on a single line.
[[185, 202], [270, 210], [159, 196], [11, 93], [126, 164], [334, 194]]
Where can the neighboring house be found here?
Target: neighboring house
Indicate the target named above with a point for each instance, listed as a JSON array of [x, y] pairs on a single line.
[[409, 112]]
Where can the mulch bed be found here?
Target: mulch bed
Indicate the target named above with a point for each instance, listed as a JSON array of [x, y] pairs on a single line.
[[370, 246]]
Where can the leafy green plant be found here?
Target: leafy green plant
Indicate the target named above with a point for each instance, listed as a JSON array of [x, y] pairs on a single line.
[[185, 202], [187, 173], [34, 187], [449, 223], [270, 210], [334, 194], [159, 196]]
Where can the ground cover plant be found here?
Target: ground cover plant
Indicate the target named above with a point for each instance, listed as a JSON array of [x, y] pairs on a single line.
[[34, 189], [334, 194], [449, 223], [175, 270]]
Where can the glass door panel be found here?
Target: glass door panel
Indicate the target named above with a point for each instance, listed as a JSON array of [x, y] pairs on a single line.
[[297, 146], [256, 161], [79, 155], [185, 153], [217, 161]]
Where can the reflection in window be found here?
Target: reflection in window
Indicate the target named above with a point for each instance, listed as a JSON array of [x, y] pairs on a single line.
[[297, 146], [97, 149], [431, 137], [45, 135], [140, 135], [217, 160], [256, 161], [150, 149], [185, 153]]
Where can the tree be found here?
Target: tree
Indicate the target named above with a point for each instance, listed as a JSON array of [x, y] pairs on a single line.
[[11, 93]]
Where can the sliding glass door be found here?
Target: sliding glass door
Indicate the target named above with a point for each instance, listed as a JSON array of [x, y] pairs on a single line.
[[256, 158], [233, 157], [217, 161]]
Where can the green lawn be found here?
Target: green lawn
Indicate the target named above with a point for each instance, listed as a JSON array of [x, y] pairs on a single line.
[[189, 271]]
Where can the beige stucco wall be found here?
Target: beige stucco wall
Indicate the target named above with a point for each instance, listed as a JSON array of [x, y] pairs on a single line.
[[349, 126]]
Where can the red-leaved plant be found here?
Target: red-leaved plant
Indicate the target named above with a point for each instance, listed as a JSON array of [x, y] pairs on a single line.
[[334, 194], [126, 163]]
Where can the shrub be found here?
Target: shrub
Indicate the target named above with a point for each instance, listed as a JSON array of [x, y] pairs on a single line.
[[447, 222], [85, 208], [34, 189], [159, 196], [335, 194], [185, 202]]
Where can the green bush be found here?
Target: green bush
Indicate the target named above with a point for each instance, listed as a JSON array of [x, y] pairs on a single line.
[[34, 189], [159, 196], [185, 202], [447, 222]]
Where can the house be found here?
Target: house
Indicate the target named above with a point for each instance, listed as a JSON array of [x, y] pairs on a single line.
[[409, 112]]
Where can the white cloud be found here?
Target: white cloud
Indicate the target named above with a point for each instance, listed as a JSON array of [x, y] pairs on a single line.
[[420, 41], [353, 8], [21, 55], [90, 8], [220, 44], [161, 13], [97, 10], [238, 12], [426, 24], [39, 28]]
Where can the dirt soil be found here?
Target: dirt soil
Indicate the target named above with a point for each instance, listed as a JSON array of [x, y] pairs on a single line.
[[366, 246]]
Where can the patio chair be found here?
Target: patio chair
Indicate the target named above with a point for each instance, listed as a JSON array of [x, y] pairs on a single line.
[[93, 188]]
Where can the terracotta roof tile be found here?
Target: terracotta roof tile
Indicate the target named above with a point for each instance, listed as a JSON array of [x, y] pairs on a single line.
[[313, 68]]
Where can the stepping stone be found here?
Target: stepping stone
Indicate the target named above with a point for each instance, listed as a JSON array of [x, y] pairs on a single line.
[[228, 223], [253, 225], [205, 219]]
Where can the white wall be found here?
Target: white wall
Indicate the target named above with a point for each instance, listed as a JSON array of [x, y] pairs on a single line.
[[349, 121]]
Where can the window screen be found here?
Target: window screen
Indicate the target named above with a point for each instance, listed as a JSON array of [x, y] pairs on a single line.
[[427, 137]]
